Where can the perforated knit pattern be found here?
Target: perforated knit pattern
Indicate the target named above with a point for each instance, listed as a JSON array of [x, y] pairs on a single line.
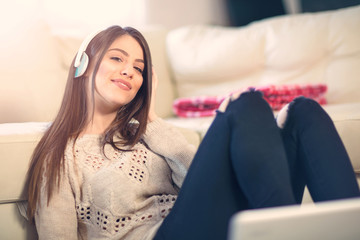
[[135, 169], [112, 225], [117, 194], [128, 167]]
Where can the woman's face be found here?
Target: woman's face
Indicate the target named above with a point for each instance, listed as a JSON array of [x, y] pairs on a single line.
[[119, 77]]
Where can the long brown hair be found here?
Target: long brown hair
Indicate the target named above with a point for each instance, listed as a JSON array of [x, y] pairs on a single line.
[[48, 156]]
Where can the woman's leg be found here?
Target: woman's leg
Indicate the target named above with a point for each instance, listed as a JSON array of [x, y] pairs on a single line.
[[258, 154], [242, 145], [316, 154]]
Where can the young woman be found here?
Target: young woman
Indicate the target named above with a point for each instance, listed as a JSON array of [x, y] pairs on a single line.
[[109, 168]]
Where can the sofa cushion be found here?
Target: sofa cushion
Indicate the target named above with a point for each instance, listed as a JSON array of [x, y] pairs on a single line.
[[346, 118], [304, 48], [165, 94], [31, 79]]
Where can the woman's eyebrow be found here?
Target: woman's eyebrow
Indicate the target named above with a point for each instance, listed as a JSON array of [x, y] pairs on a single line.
[[125, 53]]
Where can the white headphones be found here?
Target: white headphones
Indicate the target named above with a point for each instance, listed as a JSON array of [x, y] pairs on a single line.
[[82, 59]]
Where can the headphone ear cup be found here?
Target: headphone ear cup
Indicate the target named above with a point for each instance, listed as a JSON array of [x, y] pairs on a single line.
[[80, 70]]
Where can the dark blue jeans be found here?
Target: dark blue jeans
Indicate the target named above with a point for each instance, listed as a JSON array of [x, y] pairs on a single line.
[[245, 161]]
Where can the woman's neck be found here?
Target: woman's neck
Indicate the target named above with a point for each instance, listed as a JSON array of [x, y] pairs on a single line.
[[99, 123]]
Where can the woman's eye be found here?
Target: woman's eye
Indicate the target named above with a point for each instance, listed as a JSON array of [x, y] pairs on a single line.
[[138, 69], [118, 59]]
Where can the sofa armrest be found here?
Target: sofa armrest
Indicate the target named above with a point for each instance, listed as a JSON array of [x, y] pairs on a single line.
[[17, 142]]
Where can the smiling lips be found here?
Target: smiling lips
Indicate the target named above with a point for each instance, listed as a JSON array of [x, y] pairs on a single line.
[[122, 84]]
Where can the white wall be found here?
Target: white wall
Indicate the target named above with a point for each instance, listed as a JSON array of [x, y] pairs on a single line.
[[175, 13], [76, 17]]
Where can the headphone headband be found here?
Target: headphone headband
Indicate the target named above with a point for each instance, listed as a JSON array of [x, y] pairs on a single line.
[[82, 59]]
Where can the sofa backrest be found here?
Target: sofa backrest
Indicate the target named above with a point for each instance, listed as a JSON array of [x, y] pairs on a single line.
[[31, 77], [319, 47]]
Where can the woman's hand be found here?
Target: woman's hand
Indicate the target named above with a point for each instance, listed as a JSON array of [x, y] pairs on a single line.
[[152, 114]]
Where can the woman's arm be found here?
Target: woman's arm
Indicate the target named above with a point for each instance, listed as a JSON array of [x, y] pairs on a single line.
[[57, 219], [167, 141]]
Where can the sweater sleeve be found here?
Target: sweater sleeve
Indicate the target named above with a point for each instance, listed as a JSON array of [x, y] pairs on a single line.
[[167, 141], [58, 219]]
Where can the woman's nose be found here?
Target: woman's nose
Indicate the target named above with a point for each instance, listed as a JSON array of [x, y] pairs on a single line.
[[127, 71]]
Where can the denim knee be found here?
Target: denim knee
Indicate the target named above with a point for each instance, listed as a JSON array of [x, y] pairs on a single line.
[[306, 112], [249, 106]]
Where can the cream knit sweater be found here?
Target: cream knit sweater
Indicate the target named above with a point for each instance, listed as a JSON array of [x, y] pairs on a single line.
[[119, 195]]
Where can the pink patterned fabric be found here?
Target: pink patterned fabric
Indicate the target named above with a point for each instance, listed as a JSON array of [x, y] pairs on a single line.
[[197, 106], [279, 96], [276, 96]]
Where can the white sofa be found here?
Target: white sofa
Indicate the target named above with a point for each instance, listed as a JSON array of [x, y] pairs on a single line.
[[190, 61], [298, 49]]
